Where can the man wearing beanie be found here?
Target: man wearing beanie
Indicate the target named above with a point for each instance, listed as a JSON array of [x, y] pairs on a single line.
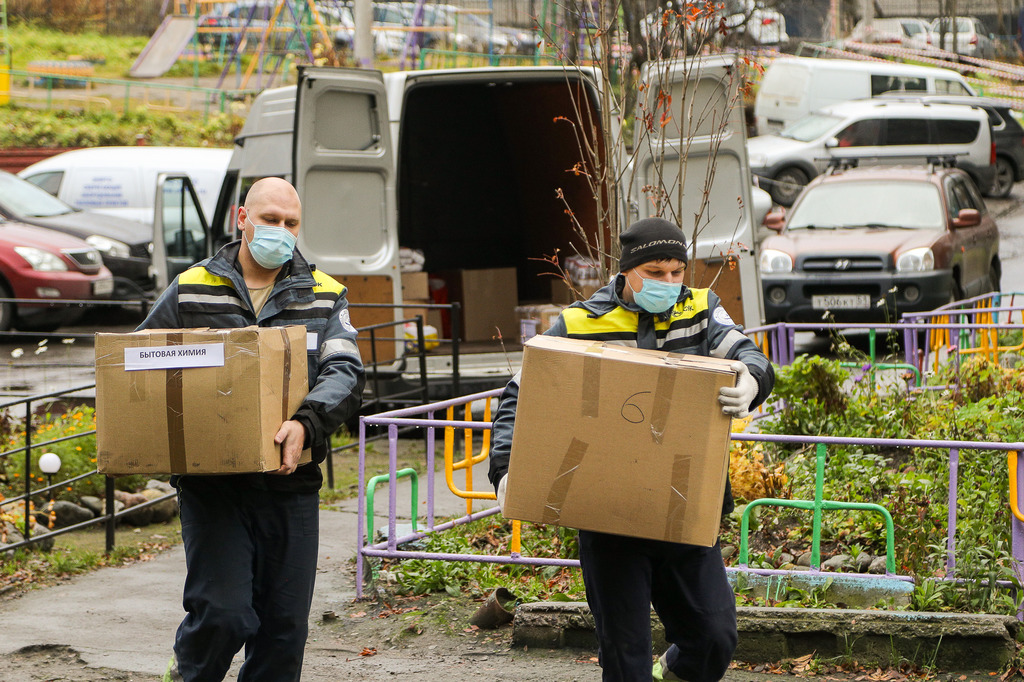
[[646, 305]]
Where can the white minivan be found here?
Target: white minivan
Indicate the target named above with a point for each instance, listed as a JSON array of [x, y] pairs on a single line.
[[121, 180], [793, 87]]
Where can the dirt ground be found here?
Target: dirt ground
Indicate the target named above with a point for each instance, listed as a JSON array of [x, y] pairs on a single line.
[[430, 638]]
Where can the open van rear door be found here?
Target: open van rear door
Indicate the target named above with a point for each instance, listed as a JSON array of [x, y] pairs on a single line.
[[181, 235], [690, 166], [343, 169]]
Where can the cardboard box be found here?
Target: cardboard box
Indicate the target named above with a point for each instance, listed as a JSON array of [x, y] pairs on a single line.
[[489, 298], [536, 319], [197, 401], [415, 286], [620, 440]]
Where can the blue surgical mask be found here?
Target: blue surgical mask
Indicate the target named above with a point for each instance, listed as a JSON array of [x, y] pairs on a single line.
[[656, 296], [271, 246]]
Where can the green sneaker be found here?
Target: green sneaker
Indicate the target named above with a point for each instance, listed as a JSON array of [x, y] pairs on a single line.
[[660, 671]]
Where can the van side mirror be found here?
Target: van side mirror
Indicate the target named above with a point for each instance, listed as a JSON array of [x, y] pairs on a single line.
[[775, 220], [832, 143], [968, 217]]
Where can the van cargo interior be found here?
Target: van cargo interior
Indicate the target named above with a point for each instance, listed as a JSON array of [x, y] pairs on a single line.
[[480, 165]]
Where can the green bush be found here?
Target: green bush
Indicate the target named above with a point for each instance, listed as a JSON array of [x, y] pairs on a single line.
[[26, 127], [976, 400]]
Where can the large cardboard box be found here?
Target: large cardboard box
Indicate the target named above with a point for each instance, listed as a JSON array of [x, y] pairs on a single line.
[[489, 298], [415, 286], [197, 401], [620, 440]]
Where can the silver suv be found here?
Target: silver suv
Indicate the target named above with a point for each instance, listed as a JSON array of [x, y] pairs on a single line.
[[874, 132]]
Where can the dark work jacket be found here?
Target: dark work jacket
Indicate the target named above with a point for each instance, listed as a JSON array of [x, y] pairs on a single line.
[[213, 294], [696, 325]]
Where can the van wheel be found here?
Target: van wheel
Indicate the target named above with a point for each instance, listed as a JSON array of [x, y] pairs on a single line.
[[787, 185], [1003, 183], [6, 309]]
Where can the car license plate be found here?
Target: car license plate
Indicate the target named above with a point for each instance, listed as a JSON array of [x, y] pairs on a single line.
[[103, 287], [841, 302]]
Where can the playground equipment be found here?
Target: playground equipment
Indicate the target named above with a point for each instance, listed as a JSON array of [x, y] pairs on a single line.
[[271, 32], [5, 56]]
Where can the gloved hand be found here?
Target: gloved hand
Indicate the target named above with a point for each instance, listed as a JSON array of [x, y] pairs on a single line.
[[502, 484], [736, 399]]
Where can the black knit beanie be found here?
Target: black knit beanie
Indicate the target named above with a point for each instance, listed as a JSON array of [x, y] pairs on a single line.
[[650, 239]]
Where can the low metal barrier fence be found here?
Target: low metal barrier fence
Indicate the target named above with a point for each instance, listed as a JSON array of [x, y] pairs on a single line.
[[118, 94], [423, 417], [25, 412]]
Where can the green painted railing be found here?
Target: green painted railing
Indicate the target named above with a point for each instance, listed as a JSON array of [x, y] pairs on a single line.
[[818, 505], [371, 487]]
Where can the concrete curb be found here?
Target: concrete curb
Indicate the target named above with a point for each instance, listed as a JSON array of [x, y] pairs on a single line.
[[951, 642]]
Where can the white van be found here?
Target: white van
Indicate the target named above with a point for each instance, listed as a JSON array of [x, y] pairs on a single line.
[[793, 87], [472, 168], [121, 180]]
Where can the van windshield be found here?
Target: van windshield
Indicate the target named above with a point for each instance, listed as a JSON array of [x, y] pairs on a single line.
[[25, 199], [892, 203], [810, 127]]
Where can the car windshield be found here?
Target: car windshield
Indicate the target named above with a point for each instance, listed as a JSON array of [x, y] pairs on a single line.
[[962, 25], [25, 199], [909, 205], [810, 127], [912, 28]]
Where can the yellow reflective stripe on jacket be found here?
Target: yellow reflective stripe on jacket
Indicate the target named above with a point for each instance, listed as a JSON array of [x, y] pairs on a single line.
[[325, 282], [203, 277], [578, 321]]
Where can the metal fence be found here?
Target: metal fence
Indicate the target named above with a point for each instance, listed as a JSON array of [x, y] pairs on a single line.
[[20, 460], [398, 545]]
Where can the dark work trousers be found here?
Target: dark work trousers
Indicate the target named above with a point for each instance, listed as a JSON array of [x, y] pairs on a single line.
[[251, 558], [690, 593]]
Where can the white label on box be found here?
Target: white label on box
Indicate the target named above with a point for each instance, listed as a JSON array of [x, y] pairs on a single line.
[[174, 357]]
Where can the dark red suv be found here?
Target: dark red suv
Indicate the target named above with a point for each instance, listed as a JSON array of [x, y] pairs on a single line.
[[868, 244]]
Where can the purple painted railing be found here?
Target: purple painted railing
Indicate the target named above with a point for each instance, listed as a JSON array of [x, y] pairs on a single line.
[[423, 417]]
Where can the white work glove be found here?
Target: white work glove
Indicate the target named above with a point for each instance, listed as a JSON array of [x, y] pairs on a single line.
[[736, 399], [502, 484]]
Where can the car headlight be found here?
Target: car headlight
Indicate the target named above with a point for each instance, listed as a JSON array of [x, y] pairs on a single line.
[[41, 261], [108, 246], [774, 262], [916, 260]]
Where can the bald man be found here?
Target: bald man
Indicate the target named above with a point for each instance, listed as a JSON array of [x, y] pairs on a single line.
[[251, 539]]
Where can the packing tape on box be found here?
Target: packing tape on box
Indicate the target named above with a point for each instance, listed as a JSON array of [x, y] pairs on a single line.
[[287, 375], [662, 403], [590, 405], [678, 492], [563, 480], [175, 411]]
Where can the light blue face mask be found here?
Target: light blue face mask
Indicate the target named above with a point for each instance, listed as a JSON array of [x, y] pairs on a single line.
[[656, 296], [271, 246]]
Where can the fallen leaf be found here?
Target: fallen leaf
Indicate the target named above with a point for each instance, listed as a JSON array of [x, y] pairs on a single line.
[[368, 651]]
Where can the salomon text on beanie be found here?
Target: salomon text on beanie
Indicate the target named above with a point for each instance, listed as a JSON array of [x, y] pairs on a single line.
[[650, 239]]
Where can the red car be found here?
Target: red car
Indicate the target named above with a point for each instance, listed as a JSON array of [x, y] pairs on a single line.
[[36, 263]]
